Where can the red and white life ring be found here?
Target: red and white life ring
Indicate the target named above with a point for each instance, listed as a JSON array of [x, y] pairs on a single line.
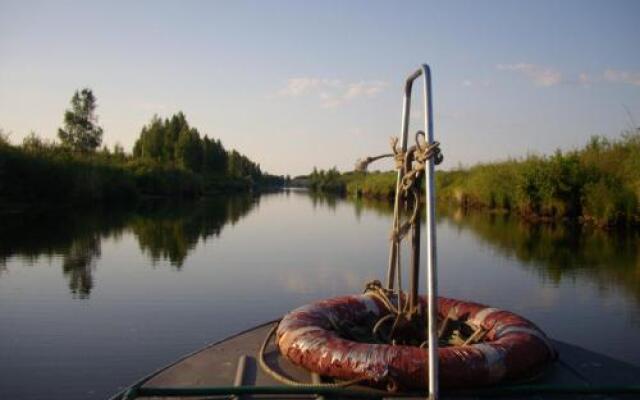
[[513, 347]]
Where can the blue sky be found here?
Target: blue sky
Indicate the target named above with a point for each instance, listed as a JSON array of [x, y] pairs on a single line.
[[300, 84]]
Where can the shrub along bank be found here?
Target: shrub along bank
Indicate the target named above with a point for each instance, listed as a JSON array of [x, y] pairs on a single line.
[[599, 183]]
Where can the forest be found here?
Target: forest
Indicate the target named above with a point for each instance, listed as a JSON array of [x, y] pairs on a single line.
[[169, 158]]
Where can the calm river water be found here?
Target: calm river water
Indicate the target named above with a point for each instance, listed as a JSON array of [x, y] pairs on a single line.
[[91, 301]]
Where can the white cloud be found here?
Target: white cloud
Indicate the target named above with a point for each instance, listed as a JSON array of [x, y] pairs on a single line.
[[538, 74], [331, 92], [366, 89], [480, 83], [627, 77], [547, 76], [299, 86]]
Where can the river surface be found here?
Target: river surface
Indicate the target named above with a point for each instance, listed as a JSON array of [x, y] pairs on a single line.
[[90, 301]]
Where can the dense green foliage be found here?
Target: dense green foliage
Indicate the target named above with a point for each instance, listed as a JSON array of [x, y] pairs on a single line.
[[380, 185], [81, 131], [173, 142], [169, 159], [599, 183], [38, 172], [326, 181], [368, 184]]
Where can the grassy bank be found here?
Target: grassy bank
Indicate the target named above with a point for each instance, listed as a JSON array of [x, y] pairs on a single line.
[[52, 174], [169, 159], [598, 183]]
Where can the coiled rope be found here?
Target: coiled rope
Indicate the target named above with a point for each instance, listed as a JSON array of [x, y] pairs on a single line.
[[411, 164], [287, 381]]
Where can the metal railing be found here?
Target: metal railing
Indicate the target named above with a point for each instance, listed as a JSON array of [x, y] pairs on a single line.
[[431, 264]]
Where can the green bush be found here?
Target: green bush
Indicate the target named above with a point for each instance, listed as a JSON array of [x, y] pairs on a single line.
[[607, 201], [154, 179], [42, 171], [56, 175], [327, 181], [600, 182], [374, 184]]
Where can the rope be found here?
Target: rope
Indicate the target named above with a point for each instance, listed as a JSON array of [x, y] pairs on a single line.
[[361, 165], [375, 289], [411, 165], [287, 381]]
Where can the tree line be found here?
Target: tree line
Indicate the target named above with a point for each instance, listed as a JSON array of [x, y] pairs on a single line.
[[169, 158], [173, 141]]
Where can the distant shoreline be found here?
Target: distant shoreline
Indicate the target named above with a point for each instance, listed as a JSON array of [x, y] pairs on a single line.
[[598, 184]]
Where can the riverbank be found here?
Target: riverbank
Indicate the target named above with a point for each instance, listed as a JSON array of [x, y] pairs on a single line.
[[598, 184], [65, 177], [169, 160]]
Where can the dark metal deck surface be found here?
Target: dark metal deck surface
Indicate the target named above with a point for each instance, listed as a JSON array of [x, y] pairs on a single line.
[[216, 365]]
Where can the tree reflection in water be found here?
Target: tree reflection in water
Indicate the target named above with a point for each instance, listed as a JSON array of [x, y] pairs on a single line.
[[78, 263], [164, 231], [554, 251], [169, 231], [559, 251]]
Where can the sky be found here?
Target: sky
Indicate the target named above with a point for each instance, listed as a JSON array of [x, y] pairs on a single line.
[[298, 84]]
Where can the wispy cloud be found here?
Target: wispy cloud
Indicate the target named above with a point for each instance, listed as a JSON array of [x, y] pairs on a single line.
[[538, 74], [627, 77], [331, 92], [547, 76], [481, 83], [299, 86]]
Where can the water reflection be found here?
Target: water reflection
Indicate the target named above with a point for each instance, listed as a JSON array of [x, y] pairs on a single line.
[[321, 200], [75, 237], [561, 251], [169, 232], [164, 231], [78, 263], [556, 252]]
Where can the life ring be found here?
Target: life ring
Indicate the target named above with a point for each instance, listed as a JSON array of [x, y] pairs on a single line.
[[513, 347]]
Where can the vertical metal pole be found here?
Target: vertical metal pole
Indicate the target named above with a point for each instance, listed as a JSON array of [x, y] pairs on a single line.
[[432, 279], [317, 380], [415, 264], [240, 370], [404, 133]]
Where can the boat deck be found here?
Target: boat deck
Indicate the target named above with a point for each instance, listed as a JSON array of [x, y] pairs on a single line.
[[217, 365]]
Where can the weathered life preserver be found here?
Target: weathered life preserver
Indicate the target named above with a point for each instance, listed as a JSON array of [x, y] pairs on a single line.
[[513, 347]]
